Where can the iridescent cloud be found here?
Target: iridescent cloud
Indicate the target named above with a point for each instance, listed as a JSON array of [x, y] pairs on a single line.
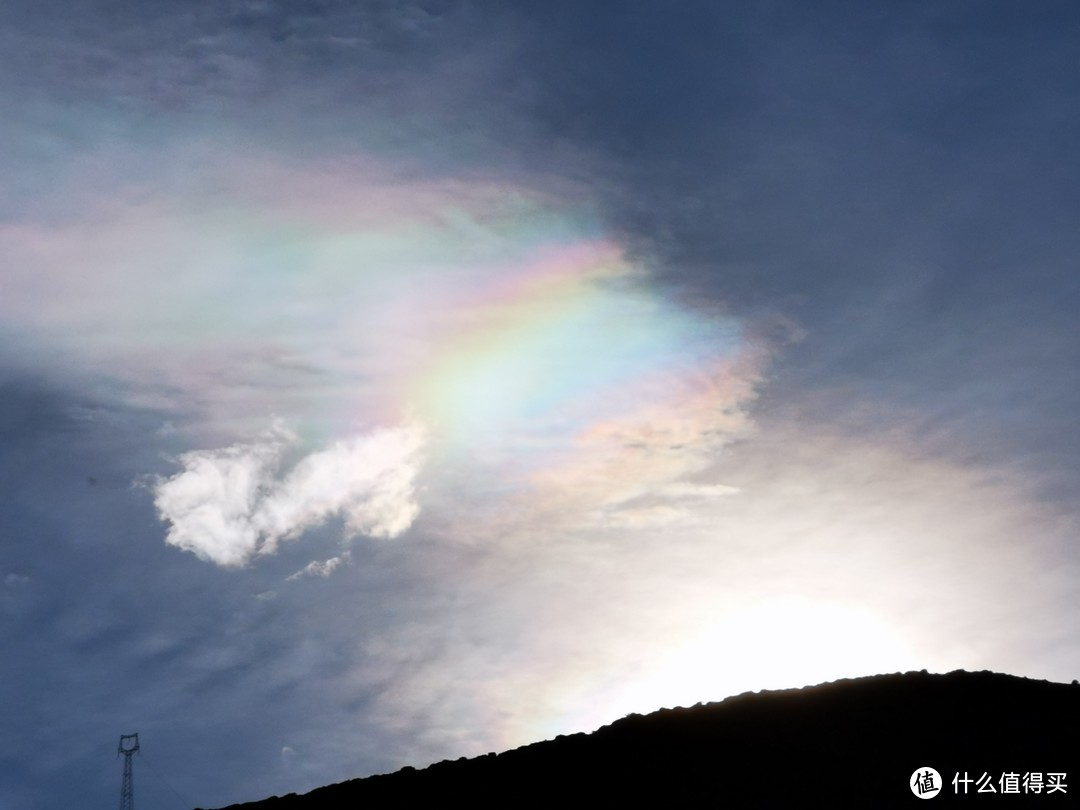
[[338, 297]]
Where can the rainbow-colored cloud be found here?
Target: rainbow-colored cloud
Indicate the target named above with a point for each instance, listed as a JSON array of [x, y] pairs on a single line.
[[343, 296]]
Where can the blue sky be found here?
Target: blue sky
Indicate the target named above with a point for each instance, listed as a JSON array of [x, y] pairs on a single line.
[[391, 382]]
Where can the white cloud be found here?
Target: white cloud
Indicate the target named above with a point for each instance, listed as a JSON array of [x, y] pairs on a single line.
[[367, 479], [321, 568], [230, 504], [213, 505], [689, 491]]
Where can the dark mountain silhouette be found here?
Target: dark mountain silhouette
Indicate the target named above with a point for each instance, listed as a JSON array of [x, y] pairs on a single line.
[[852, 743]]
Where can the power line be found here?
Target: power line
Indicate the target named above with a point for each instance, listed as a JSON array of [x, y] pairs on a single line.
[[185, 802]]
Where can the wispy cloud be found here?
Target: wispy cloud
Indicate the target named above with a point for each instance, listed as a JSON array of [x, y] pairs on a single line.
[[635, 468], [230, 504], [321, 568]]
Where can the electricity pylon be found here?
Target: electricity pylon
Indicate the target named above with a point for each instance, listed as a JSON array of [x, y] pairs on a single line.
[[129, 746]]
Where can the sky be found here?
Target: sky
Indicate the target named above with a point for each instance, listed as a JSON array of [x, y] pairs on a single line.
[[390, 382]]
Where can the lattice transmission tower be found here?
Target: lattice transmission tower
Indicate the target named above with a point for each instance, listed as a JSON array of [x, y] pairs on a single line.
[[129, 746]]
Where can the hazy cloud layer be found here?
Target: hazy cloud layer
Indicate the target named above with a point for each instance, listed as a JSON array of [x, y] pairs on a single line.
[[230, 504], [836, 554], [743, 337]]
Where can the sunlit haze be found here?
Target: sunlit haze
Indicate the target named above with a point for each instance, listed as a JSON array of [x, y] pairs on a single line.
[[393, 382]]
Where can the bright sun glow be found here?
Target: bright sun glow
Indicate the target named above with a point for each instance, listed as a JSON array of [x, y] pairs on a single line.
[[772, 645]]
